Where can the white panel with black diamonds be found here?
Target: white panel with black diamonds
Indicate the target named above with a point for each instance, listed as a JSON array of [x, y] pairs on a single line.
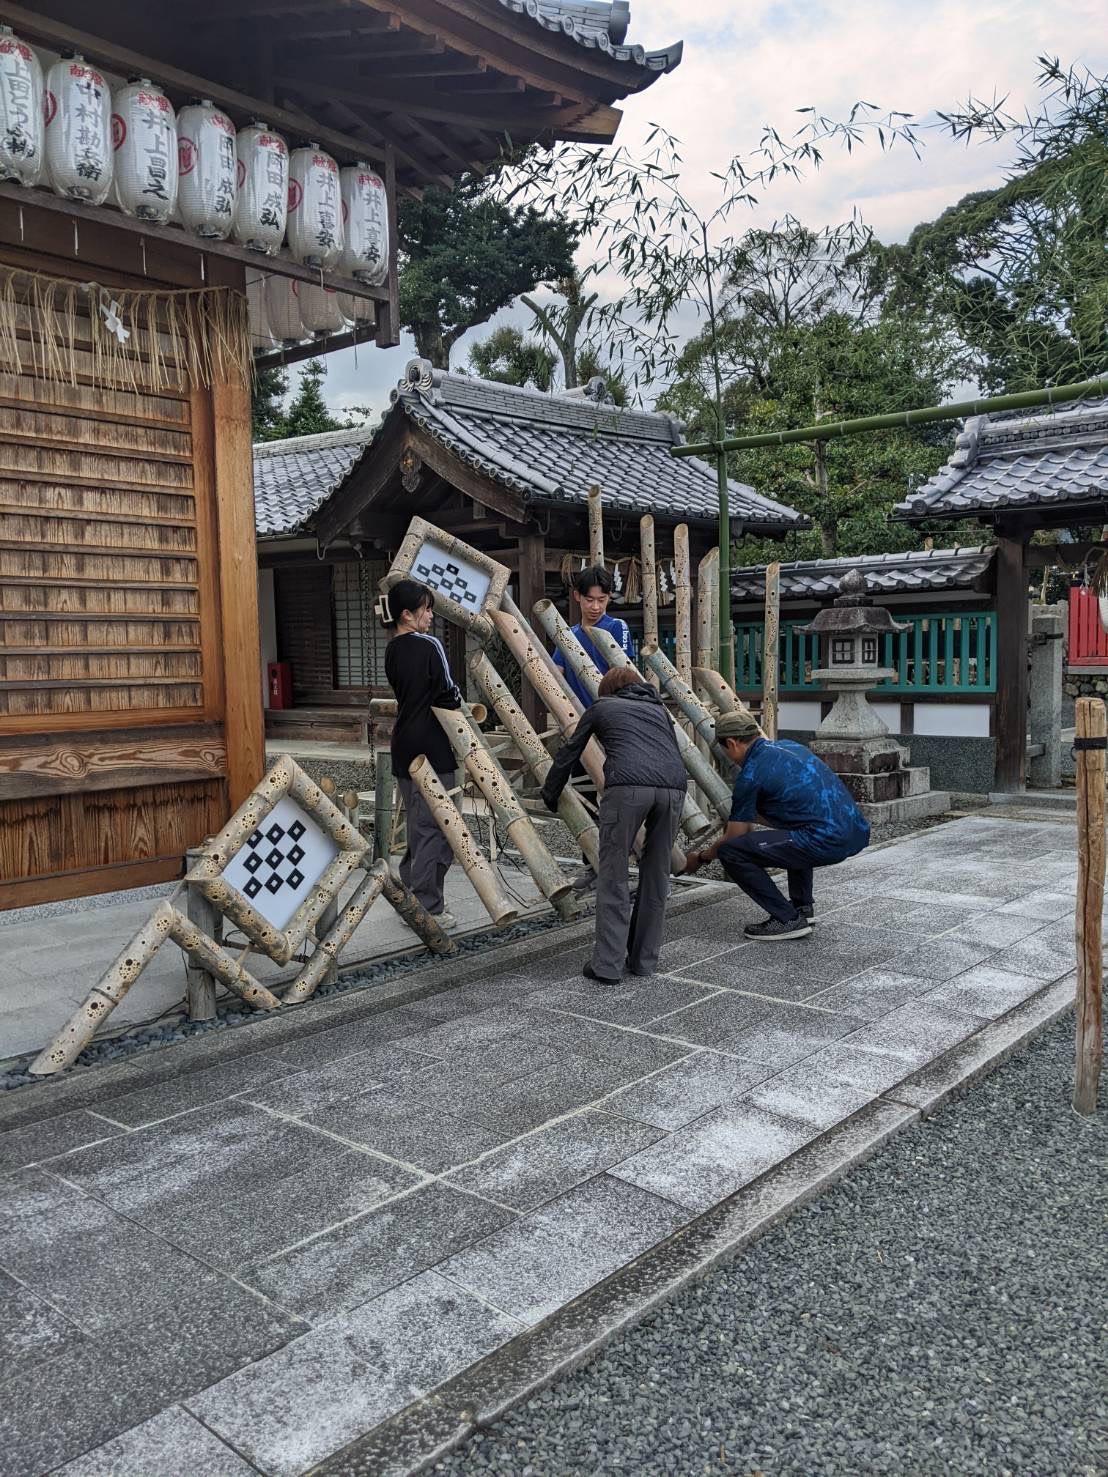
[[451, 576], [279, 863]]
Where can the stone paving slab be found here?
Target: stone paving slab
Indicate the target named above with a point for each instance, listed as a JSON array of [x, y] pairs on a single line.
[[253, 1249]]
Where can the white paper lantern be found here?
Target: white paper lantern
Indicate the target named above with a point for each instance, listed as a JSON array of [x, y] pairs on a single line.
[[357, 310], [78, 106], [282, 309], [319, 309], [207, 169], [260, 335], [262, 207], [144, 134], [365, 219], [21, 118], [315, 208]]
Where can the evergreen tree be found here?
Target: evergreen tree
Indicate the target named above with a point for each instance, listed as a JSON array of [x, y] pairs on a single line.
[[267, 410], [308, 414]]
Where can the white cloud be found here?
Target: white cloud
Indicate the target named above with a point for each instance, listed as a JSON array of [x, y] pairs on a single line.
[[754, 64]]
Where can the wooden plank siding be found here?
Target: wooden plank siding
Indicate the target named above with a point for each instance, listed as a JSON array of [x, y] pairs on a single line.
[[122, 607]]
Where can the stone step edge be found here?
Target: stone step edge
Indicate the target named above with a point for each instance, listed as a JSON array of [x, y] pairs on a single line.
[[423, 1433]]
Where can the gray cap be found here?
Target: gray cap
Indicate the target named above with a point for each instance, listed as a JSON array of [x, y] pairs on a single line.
[[738, 725]]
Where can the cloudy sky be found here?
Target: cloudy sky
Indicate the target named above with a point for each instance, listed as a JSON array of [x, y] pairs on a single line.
[[755, 62]]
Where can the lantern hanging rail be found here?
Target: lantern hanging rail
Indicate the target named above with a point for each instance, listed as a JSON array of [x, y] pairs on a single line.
[[827, 430]]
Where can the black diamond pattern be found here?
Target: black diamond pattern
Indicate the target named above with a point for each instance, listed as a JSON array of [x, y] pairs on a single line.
[[253, 887]]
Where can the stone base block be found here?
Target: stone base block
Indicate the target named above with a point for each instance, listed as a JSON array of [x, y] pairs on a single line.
[[907, 808], [860, 756]]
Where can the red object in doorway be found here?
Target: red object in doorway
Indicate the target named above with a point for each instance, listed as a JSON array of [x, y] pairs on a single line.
[[280, 684], [1088, 640]]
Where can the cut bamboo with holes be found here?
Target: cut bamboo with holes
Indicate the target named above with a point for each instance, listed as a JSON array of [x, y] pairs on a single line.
[[494, 785], [649, 579], [323, 963], [480, 875], [1090, 731], [698, 714], [596, 526], [771, 658], [682, 597]]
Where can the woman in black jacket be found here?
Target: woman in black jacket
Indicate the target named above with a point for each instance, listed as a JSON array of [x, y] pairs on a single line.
[[418, 673], [644, 784]]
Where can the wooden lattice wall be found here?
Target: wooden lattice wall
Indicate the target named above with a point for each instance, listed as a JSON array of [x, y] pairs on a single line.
[[129, 715]]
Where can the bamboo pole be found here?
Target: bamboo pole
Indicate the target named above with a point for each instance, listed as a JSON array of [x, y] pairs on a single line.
[[571, 808], [698, 713], [700, 771], [187, 936], [719, 693], [1090, 730], [682, 592], [562, 706], [493, 783], [707, 599], [481, 876], [771, 645], [512, 610], [416, 916], [324, 961], [649, 562], [596, 526]]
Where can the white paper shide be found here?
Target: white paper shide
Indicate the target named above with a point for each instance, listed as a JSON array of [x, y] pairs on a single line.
[[261, 210], [21, 118], [144, 133], [78, 111], [315, 208], [207, 169], [366, 224]]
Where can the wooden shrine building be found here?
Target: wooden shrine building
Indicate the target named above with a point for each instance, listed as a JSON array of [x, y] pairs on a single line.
[[1018, 474], [507, 469], [130, 701]]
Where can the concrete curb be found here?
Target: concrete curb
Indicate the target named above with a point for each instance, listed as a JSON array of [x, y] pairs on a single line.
[[414, 1439]]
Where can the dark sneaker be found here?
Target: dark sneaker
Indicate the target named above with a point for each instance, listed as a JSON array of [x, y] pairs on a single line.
[[585, 882], [598, 979], [806, 910], [773, 930]]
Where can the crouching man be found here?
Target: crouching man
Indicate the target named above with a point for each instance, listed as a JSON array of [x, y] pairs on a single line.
[[811, 817]]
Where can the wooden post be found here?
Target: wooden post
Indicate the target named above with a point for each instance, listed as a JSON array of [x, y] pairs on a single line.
[[532, 588], [200, 982], [682, 590], [596, 530], [384, 802], [771, 643], [480, 874], [649, 580], [1011, 663], [1090, 730]]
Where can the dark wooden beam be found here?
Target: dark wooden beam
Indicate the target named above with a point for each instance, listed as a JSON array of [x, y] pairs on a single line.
[[508, 504], [1062, 556], [373, 475], [417, 102], [277, 358], [1011, 662]]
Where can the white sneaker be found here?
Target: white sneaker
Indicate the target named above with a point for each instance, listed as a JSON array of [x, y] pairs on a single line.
[[445, 920]]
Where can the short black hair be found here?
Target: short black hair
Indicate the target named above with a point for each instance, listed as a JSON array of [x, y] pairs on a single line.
[[596, 574], [408, 595]]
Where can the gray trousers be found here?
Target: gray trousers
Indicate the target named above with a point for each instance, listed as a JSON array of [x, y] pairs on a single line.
[[626, 938], [429, 855]]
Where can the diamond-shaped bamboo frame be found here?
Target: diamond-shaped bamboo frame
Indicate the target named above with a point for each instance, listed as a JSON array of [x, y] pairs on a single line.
[[285, 778], [419, 532]]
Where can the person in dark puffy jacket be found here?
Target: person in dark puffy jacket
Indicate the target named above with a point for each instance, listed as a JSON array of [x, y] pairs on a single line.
[[644, 784]]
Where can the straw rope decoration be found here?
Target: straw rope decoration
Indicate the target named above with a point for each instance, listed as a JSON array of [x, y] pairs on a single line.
[[137, 340]]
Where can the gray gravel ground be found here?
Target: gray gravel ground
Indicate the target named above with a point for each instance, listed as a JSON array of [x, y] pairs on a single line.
[[943, 1310]]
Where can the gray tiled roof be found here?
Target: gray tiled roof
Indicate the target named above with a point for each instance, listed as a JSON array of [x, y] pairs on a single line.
[[295, 477], [1020, 463], [600, 26], [550, 449], [912, 573]]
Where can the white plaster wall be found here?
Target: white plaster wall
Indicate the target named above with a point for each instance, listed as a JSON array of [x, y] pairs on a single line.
[[889, 713], [267, 621], [959, 720], [798, 715]]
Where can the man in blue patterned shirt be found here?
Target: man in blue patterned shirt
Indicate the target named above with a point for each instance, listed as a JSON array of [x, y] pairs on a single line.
[[811, 817]]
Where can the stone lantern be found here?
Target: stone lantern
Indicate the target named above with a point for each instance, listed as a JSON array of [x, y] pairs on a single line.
[[852, 740]]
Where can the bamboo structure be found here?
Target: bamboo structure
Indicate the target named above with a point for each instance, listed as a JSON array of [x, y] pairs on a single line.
[[649, 579], [771, 645], [717, 692], [562, 706], [511, 609], [698, 714], [324, 961], [416, 916], [596, 526], [700, 771], [166, 922], [682, 590], [481, 876], [421, 532], [490, 779], [707, 602], [1090, 741], [571, 808]]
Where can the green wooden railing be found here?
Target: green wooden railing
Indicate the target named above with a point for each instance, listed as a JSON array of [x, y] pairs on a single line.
[[941, 652]]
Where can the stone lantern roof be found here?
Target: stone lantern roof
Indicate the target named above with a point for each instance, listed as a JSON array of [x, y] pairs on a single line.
[[853, 612]]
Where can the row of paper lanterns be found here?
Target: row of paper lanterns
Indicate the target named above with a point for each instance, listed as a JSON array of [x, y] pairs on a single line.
[[69, 131], [284, 311]]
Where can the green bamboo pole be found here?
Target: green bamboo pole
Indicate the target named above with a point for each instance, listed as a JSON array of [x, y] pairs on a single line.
[[827, 430]]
